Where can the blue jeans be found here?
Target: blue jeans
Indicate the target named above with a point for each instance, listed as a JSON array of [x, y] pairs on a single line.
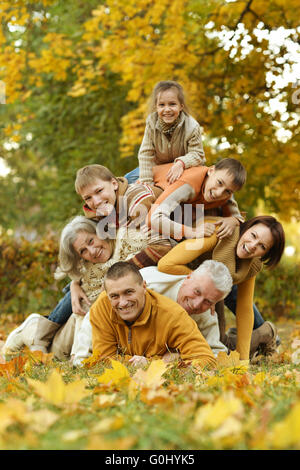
[[63, 309], [230, 302], [133, 175]]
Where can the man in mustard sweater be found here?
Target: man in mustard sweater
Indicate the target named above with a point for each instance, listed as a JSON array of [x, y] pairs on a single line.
[[130, 319]]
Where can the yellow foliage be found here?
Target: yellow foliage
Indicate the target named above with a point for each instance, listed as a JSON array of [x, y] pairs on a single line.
[[213, 415], [286, 434], [118, 373], [152, 377]]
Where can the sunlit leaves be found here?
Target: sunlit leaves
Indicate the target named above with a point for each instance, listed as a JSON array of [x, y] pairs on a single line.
[[118, 373], [179, 405]]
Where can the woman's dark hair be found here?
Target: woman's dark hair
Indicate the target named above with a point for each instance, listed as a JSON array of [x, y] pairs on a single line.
[[273, 256]]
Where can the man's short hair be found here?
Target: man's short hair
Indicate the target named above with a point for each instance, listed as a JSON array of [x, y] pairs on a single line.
[[219, 274], [121, 269], [88, 174], [236, 170]]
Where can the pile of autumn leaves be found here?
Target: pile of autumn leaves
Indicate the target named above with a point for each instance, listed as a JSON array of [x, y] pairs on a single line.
[[45, 404]]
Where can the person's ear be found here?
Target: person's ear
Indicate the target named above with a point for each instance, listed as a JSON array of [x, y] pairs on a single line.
[[212, 309], [211, 169], [115, 183]]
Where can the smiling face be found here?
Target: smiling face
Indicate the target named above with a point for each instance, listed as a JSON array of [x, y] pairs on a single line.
[[255, 242], [168, 106], [100, 196], [198, 294], [91, 248], [218, 185], [127, 296]]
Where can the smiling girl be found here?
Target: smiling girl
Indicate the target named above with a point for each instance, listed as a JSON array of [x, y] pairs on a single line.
[[171, 135]]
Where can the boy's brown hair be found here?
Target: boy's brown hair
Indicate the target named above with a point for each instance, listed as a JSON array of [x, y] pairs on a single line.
[[88, 174], [236, 170]]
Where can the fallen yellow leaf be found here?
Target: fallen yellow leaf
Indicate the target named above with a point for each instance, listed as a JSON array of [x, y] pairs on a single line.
[[118, 373], [213, 415], [152, 377], [228, 360], [57, 392]]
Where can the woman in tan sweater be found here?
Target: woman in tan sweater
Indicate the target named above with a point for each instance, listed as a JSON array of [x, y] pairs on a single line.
[[258, 241]]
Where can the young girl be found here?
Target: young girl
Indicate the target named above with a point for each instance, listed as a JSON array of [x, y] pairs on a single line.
[[171, 135]]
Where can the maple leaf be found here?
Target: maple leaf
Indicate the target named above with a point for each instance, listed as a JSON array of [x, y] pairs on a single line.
[[55, 391], [118, 373], [39, 357], [152, 377], [14, 367], [228, 360], [213, 415]]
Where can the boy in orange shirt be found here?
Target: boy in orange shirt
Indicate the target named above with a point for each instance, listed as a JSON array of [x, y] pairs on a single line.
[[208, 188]]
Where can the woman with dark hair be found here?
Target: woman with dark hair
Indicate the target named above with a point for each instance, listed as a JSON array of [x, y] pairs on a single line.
[[257, 242]]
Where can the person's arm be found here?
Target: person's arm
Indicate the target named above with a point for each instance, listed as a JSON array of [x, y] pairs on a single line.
[[186, 338], [77, 296], [244, 317], [82, 344], [146, 157], [175, 261], [151, 254], [159, 216]]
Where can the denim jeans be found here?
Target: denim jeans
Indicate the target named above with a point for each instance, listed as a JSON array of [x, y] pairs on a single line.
[[230, 302], [63, 309], [133, 175]]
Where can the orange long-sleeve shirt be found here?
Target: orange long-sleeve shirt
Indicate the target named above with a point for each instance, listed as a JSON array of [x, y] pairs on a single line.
[[187, 190]]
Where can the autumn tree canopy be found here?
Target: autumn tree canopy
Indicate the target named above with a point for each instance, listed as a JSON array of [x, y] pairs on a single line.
[[78, 76]]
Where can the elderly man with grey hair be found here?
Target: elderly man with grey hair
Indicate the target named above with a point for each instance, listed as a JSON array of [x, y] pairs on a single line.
[[197, 293]]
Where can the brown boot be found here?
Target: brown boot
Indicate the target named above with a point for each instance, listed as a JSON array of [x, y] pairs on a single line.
[[38, 334], [263, 340]]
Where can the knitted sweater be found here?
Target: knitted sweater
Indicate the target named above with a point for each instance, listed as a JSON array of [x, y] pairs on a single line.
[[243, 272], [185, 145], [162, 325], [129, 244], [133, 202], [188, 189]]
